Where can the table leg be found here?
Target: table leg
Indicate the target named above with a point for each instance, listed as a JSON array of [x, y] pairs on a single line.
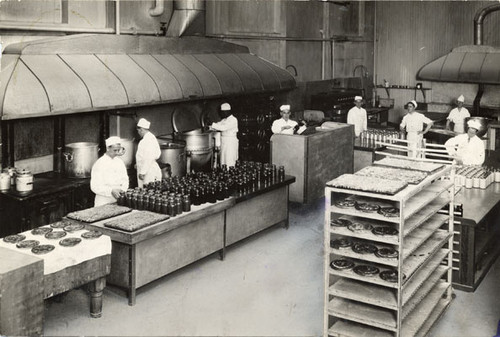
[[287, 225], [131, 276], [96, 287], [222, 252]]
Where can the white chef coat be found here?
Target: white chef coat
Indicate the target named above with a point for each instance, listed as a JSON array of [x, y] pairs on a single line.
[[107, 174], [357, 117], [470, 151], [457, 117], [279, 123], [414, 122], [148, 151], [229, 142]]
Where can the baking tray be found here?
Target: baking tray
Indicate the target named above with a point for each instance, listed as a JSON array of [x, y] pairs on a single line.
[[368, 184], [98, 213], [409, 164], [410, 176], [136, 220]]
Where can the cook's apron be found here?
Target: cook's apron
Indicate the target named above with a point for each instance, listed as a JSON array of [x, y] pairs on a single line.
[[229, 150], [103, 200], [153, 174], [414, 141], [459, 127]]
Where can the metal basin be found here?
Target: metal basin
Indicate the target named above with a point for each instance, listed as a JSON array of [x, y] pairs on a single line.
[[483, 121]]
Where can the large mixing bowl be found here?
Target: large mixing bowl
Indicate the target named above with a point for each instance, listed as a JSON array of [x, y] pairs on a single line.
[[483, 121]]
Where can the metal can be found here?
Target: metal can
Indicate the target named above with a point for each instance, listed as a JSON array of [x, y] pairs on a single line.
[[4, 181], [24, 181]]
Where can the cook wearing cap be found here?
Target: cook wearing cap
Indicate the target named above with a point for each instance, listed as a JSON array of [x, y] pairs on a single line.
[[284, 125], [148, 151], [357, 116], [467, 148], [457, 116], [108, 177], [416, 125], [228, 127]]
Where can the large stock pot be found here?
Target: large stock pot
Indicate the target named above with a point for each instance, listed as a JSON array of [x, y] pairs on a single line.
[[199, 148], [173, 154], [79, 159]]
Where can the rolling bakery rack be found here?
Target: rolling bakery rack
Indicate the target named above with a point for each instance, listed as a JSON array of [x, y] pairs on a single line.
[[413, 300]]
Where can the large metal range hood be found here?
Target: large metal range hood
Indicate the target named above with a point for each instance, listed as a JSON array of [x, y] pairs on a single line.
[[467, 64], [98, 72]]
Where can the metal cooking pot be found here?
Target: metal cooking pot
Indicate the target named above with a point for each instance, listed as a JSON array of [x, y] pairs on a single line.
[[24, 181], [199, 147], [128, 155], [79, 159], [173, 154], [483, 121]]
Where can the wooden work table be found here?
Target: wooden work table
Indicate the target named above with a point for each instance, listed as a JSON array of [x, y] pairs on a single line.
[[145, 255], [477, 235]]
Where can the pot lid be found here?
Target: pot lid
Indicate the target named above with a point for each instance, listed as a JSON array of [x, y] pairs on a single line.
[[95, 72], [183, 121], [465, 64]]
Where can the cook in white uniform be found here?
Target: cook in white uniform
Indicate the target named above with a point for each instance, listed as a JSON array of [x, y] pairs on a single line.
[[108, 177], [468, 148], [228, 126], [457, 116], [357, 117], [284, 125], [148, 151], [414, 122]]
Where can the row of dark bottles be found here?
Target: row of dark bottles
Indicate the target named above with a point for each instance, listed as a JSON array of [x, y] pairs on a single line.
[[175, 195]]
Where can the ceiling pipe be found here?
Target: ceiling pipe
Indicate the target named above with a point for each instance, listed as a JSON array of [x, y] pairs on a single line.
[[478, 22], [184, 14], [158, 9]]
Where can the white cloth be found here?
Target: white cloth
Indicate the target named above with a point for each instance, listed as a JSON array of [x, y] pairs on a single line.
[[457, 117], [414, 123], [471, 152], [279, 123], [357, 117], [148, 151], [63, 257], [229, 142], [107, 174]]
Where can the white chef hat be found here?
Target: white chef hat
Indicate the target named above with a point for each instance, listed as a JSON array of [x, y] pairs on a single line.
[[413, 102], [358, 98], [285, 107], [461, 98], [472, 123], [113, 140], [143, 123], [225, 107]]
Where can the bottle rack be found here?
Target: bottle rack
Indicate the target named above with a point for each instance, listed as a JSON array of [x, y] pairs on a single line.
[[358, 305]]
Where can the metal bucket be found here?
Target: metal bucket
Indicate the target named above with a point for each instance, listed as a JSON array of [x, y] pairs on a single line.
[[79, 159], [173, 154]]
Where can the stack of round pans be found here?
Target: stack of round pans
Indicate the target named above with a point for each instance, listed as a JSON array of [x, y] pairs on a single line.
[[366, 270], [342, 264]]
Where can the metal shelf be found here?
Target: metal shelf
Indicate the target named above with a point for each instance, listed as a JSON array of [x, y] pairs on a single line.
[[425, 231], [352, 329], [425, 213], [375, 279]]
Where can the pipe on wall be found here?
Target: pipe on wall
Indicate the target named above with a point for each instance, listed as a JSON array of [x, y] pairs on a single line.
[[117, 17], [478, 22]]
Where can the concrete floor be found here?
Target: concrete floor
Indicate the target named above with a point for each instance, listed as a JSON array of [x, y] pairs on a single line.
[[269, 285]]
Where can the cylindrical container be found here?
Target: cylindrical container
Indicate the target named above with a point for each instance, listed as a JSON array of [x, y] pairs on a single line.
[[186, 203], [475, 182], [129, 150], [497, 176], [468, 182], [4, 181], [12, 174], [173, 154], [24, 181], [79, 159], [482, 182]]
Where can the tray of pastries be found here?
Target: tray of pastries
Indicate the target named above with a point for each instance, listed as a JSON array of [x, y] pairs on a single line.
[[409, 176], [409, 164], [368, 184], [98, 213], [136, 220]]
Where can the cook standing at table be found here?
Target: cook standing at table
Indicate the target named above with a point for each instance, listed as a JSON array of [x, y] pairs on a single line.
[[468, 148], [284, 125], [458, 116], [357, 117], [228, 126], [416, 125], [108, 177], [148, 151]]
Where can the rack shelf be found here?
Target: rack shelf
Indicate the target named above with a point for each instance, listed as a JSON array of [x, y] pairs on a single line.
[[357, 305]]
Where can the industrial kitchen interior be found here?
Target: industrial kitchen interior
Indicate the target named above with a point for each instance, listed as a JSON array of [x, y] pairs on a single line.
[[249, 168]]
